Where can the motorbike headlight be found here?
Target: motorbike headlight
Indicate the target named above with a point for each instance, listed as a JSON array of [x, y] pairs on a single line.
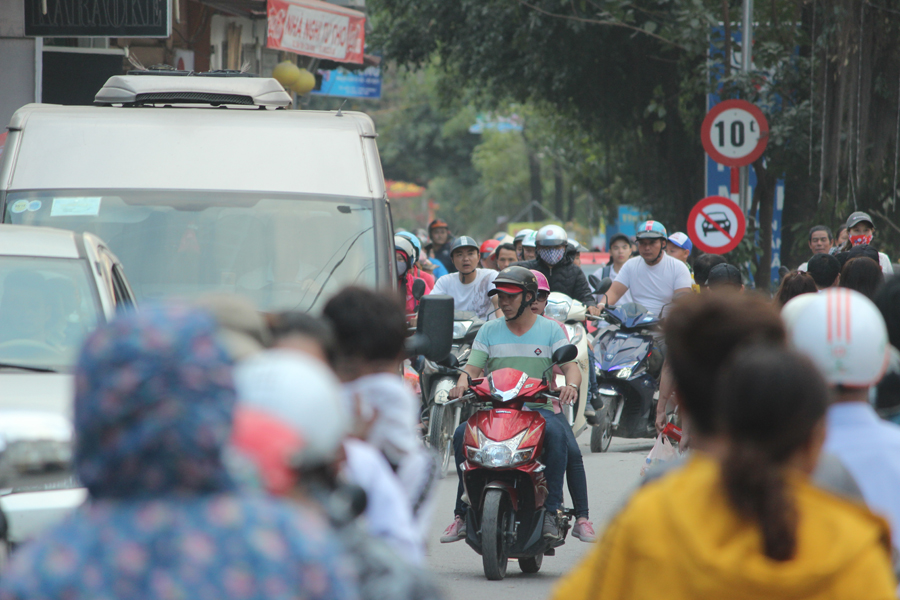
[[460, 328], [624, 373], [557, 310], [494, 455], [574, 332]]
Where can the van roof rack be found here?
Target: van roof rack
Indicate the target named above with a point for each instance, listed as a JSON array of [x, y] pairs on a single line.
[[216, 88]]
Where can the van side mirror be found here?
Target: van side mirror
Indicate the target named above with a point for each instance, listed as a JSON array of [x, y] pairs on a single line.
[[418, 289], [604, 285], [434, 329], [565, 354]]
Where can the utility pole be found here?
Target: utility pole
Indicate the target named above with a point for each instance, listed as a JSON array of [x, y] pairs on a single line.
[[746, 62]]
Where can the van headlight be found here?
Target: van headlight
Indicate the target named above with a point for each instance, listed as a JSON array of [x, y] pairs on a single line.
[[460, 328], [495, 455]]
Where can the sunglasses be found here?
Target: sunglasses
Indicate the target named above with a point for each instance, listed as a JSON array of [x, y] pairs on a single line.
[[543, 296]]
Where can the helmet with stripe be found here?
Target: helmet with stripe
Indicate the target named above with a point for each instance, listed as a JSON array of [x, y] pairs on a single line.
[[649, 230], [844, 333]]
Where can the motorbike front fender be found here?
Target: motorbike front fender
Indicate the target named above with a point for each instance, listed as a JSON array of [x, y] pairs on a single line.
[[441, 391], [505, 487]]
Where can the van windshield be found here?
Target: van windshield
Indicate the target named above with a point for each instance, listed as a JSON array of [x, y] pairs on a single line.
[[282, 251]]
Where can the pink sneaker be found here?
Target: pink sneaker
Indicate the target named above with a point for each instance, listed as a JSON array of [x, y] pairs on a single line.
[[584, 531], [455, 532]]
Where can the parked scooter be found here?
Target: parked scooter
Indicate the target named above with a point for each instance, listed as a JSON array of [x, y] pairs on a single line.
[[572, 313], [504, 481], [628, 370], [437, 379]]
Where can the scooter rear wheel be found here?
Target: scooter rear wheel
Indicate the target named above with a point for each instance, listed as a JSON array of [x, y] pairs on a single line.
[[493, 535], [441, 427], [532, 564]]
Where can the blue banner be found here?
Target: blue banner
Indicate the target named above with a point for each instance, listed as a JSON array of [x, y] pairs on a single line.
[[351, 84]]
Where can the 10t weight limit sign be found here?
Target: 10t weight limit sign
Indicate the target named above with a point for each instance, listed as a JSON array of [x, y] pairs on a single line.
[[734, 133]]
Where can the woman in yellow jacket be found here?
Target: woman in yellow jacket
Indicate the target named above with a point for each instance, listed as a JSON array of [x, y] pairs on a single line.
[[746, 524]]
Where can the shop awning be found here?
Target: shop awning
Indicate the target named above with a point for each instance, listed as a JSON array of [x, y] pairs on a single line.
[[318, 29]]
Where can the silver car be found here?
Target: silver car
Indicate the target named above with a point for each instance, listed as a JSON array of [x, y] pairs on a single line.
[[55, 287]]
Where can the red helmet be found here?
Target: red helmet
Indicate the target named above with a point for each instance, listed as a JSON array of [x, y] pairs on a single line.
[[488, 247]]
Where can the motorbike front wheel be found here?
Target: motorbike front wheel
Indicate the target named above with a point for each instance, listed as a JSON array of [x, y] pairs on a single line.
[[493, 535], [441, 425]]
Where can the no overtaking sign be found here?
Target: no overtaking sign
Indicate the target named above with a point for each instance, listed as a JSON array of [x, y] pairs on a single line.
[[716, 225]]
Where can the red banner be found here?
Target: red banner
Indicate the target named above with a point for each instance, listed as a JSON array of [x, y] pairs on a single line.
[[318, 29]]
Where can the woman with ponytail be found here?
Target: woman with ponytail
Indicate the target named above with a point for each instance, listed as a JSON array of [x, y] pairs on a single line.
[[743, 520]]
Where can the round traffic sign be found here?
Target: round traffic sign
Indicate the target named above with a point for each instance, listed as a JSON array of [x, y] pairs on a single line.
[[734, 133], [716, 225]]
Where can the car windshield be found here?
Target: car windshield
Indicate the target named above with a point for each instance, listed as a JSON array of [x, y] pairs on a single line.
[[47, 306], [282, 251]]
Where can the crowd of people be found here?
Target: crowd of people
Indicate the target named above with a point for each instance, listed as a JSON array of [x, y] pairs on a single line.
[[231, 454]]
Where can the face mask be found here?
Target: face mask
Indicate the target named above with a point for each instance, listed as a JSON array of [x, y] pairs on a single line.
[[551, 256], [858, 240], [401, 267]]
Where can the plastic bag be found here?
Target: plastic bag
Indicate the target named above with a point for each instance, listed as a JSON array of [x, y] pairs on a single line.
[[661, 451]]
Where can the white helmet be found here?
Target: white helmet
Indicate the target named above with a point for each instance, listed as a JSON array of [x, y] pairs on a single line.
[[551, 235], [301, 393], [522, 234], [844, 333], [530, 239], [794, 308]]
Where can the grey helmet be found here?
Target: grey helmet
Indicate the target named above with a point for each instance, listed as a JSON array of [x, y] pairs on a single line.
[[551, 235], [521, 235], [464, 241]]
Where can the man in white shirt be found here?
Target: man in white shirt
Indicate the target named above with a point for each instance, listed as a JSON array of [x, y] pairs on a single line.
[[844, 333], [654, 278], [469, 286]]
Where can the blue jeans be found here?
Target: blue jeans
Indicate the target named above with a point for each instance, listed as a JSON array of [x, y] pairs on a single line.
[[575, 476], [555, 456]]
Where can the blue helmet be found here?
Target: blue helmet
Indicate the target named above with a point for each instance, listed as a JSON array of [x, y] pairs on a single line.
[[415, 242], [649, 230]]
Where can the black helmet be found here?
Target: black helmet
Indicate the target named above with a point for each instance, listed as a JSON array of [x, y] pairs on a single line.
[[464, 241], [519, 277]]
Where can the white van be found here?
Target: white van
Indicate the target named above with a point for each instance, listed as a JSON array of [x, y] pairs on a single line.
[[207, 183]]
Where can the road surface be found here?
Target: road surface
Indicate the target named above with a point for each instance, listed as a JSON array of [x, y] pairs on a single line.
[[610, 476]]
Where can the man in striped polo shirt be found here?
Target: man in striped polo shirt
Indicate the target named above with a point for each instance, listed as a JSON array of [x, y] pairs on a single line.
[[523, 341]]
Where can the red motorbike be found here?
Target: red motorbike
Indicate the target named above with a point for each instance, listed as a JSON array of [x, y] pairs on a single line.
[[503, 477]]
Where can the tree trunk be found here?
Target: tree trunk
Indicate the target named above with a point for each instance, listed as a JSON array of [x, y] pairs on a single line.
[[537, 189], [764, 197], [570, 214], [559, 192]]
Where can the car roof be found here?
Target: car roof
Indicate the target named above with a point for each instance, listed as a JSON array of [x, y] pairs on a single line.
[[46, 242]]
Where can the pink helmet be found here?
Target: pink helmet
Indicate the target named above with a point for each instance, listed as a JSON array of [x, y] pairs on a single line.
[[543, 286]]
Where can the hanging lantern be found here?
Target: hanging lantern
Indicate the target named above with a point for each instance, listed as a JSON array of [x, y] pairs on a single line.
[[305, 83], [286, 73]]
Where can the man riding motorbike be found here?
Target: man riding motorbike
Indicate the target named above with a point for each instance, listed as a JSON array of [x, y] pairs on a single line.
[[441, 243], [469, 285], [654, 278], [517, 241], [557, 266], [525, 342]]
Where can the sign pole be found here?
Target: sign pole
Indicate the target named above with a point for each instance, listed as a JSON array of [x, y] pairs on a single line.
[[746, 63]]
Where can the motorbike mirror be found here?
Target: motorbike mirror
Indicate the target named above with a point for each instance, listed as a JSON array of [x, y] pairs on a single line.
[[603, 286], [434, 328], [595, 283], [418, 289], [565, 354]]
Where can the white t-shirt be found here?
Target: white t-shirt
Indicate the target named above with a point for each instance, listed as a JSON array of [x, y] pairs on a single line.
[[653, 287], [396, 410], [470, 296], [626, 297]]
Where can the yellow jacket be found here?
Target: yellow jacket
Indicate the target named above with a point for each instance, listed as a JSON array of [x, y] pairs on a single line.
[[679, 539]]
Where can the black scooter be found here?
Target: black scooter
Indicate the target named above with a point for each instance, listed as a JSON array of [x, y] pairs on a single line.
[[628, 368]]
